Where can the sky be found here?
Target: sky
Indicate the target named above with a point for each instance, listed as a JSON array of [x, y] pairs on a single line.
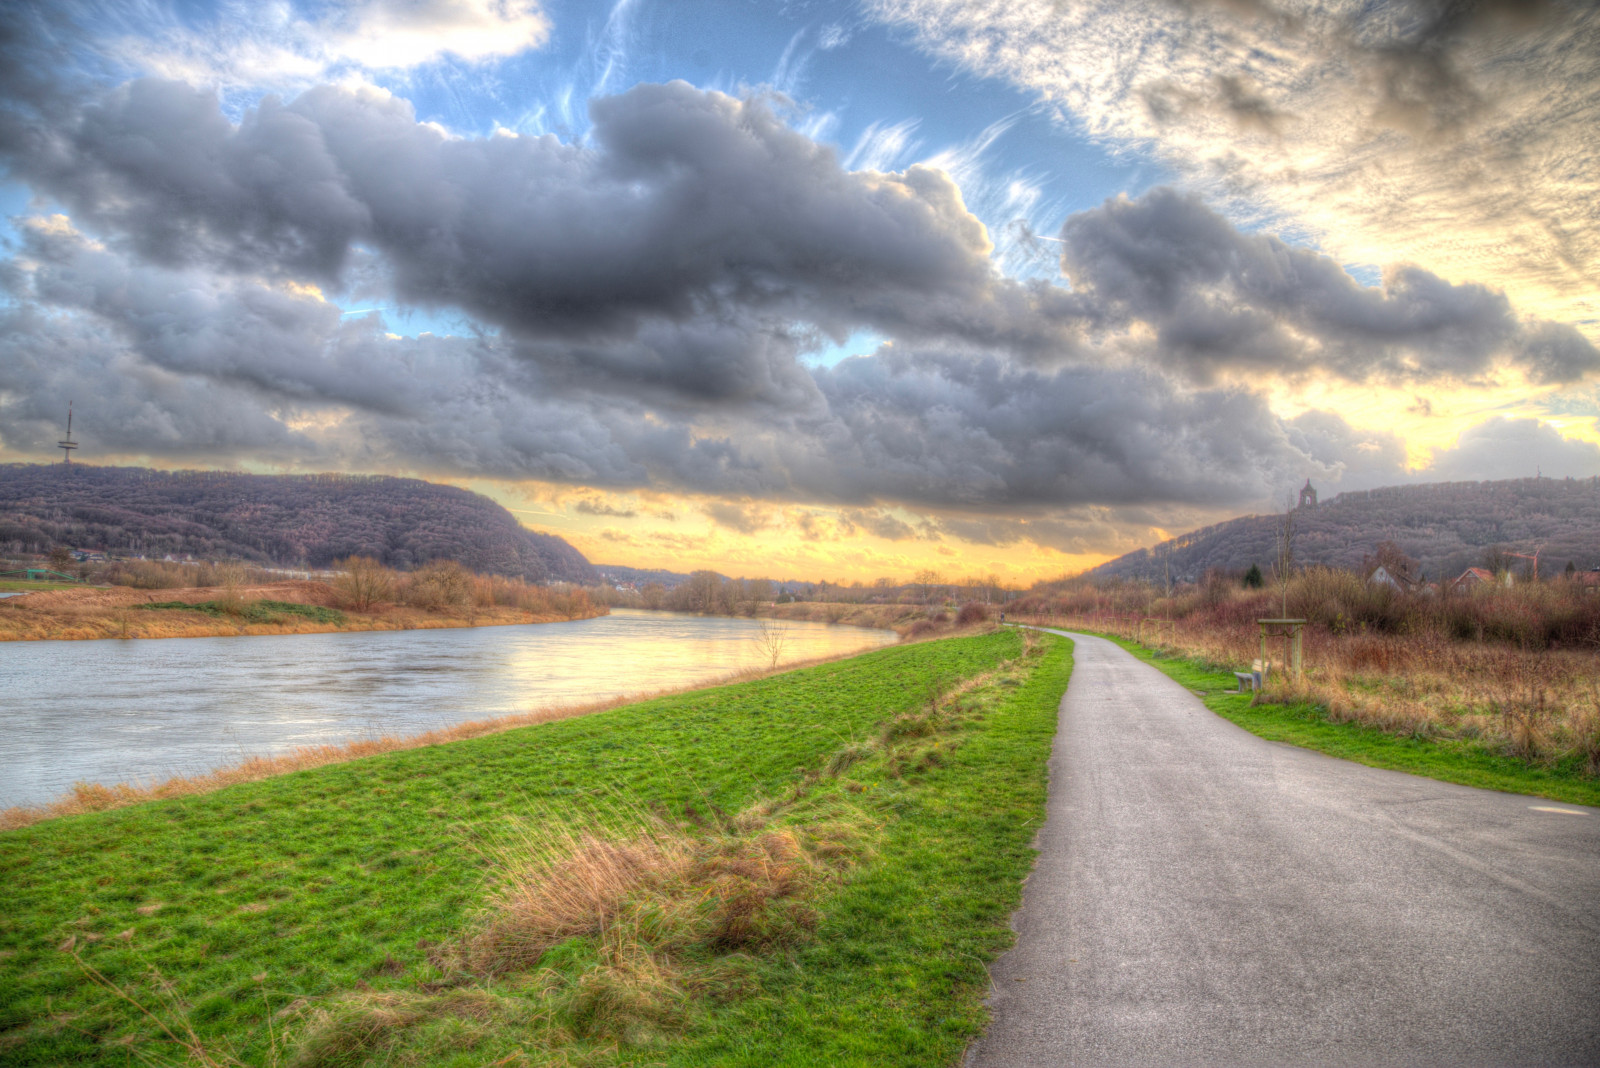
[[815, 289]]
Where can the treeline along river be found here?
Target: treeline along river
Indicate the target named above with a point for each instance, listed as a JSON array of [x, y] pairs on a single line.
[[138, 711]]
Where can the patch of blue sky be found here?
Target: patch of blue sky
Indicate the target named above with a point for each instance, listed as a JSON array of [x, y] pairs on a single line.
[[1368, 274], [15, 199], [854, 84], [860, 343], [883, 104], [414, 322]]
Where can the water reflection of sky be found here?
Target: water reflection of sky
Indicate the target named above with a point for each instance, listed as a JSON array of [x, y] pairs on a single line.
[[120, 711]]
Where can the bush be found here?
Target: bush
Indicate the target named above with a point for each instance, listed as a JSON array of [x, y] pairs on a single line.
[[972, 612], [441, 584], [363, 583]]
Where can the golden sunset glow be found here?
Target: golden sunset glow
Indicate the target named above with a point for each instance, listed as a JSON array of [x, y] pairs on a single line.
[[830, 291]]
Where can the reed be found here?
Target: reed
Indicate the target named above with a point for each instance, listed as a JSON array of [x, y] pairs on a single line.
[[1516, 669]]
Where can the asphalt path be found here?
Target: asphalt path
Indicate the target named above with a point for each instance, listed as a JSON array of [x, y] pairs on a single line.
[[1205, 897]]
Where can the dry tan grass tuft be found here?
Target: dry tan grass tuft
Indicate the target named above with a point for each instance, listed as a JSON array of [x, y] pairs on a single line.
[[653, 889], [669, 913], [359, 1026]]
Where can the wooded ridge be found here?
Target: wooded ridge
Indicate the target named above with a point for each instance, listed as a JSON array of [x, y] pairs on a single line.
[[1445, 526], [286, 520]]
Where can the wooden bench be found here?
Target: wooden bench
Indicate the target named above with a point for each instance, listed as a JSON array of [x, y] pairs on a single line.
[[1255, 677]]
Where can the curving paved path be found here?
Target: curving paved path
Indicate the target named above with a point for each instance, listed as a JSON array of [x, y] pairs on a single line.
[[1204, 897]]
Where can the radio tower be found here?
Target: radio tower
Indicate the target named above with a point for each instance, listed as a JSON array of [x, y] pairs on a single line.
[[68, 445]]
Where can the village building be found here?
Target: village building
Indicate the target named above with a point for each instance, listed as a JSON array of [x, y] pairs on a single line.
[[1395, 579], [1474, 577]]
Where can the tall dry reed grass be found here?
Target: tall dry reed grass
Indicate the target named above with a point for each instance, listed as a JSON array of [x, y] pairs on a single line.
[[1517, 669]]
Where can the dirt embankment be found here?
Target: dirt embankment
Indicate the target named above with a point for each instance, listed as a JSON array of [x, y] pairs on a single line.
[[295, 607]]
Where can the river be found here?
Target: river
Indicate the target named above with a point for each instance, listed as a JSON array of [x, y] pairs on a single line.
[[147, 709]]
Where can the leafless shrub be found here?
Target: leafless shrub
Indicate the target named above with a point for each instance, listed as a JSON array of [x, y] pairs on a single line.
[[972, 612], [771, 637], [363, 583], [441, 584]]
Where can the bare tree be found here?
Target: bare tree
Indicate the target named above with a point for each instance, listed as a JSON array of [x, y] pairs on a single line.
[[771, 637], [362, 583], [757, 592], [701, 593], [1497, 561], [1285, 563], [440, 584]]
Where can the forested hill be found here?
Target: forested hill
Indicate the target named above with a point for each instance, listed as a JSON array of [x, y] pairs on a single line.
[[288, 520], [1445, 526]]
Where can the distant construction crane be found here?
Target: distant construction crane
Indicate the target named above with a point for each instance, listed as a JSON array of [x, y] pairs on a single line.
[[1534, 556], [68, 445]]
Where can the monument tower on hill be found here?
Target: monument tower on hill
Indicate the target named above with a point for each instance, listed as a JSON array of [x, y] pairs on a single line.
[[1308, 496]]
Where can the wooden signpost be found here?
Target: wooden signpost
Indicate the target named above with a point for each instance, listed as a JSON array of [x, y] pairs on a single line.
[[1290, 631]]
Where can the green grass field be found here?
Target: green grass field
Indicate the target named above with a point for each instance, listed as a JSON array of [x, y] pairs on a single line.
[[27, 586], [300, 920], [1450, 760], [262, 611]]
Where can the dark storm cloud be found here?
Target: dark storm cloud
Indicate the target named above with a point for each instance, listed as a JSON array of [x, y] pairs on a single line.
[[189, 363], [184, 362], [684, 207], [696, 244], [654, 289], [1218, 298], [224, 329], [958, 430], [135, 408]]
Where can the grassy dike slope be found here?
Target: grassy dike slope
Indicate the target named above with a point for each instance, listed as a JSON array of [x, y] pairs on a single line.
[[336, 887], [1458, 760]]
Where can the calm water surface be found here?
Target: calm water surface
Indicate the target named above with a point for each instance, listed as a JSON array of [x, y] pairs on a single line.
[[142, 710]]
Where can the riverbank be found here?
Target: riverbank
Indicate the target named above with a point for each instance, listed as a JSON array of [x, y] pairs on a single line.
[[896, 617], [87, 797], [293, 607], [811, 867]]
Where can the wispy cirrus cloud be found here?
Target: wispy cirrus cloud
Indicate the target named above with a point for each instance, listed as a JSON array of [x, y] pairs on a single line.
[[1458, 136], [278, 45]]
